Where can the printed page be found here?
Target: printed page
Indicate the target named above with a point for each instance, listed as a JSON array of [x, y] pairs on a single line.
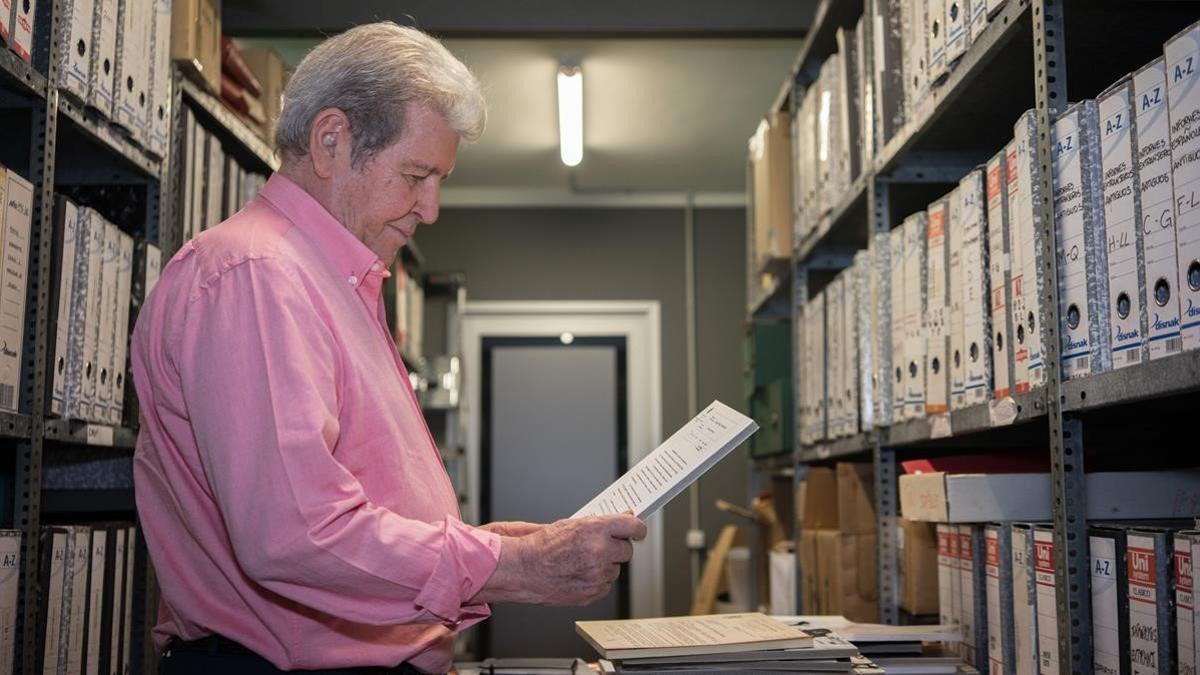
[[675, 464], [687, 631]]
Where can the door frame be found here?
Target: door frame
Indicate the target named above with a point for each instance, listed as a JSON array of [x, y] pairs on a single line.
[[638, 322]]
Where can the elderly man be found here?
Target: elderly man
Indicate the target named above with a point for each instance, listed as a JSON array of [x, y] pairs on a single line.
[[295, 507]]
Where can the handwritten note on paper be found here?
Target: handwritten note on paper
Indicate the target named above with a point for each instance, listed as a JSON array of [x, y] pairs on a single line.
[[675, 464]]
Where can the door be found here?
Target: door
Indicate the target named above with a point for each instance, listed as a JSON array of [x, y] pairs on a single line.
[[553, 435]]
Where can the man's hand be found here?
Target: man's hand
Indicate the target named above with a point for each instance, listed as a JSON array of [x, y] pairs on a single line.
[[570, 562], [512, 528]]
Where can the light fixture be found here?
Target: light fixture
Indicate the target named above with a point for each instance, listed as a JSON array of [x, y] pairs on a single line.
[[570, 114]]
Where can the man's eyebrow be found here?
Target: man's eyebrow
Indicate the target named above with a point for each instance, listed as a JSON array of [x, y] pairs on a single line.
[[422, 166]]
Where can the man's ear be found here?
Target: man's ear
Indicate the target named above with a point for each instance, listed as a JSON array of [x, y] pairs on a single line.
[[329, 141]]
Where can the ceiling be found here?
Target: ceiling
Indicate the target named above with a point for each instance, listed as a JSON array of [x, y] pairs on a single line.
[[662, 115]]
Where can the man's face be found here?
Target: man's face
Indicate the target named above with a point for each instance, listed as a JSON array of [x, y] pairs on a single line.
[[384, 199]]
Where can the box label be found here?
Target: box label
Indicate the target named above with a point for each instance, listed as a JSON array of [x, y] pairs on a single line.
[[1143, 605]]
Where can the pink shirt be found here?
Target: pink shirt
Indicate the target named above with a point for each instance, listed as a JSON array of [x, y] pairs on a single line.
[[290, 493]]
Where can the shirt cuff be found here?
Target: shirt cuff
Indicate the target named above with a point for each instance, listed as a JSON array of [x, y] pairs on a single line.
[[468, 559]]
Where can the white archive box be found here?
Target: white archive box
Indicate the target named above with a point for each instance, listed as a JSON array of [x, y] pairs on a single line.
[[1122, 217], [102, 79], [972, 610], [915, 356], [159, 92], [850, 328], [977, 20], [829, 154], [955, 356], [79, 539], [866, 92], [1185, 601], [937, 309], [881, 327], [74, 53], [121, 326], [999, 283], [97, 232], [947, 576], [108, 323], [958, 34], [900, 321], [982, 497], [807, 150], [916, 58], [10, 586], [1047, 599], [22, 27], [132, 70], [802, 380], [867, 330], [96, 598], [1162, 281], [1025, 213], [195, 145], [889, 54], [935, 37], [1182, 54], [18, 207], [153, 268], [1025, 614], [1110, 610], [833, 356], [1151, 617], [214, 183], [82, 276], [969, 218], [1081, 247], [849, 100], [66, 226], [820, 371], [231, 199], [5, 19], [999, 596]]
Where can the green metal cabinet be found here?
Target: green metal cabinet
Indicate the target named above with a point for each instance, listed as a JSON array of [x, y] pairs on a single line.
[[767, 381]]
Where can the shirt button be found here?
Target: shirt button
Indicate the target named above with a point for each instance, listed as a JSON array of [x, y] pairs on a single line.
[[353, 280], [375, 267]]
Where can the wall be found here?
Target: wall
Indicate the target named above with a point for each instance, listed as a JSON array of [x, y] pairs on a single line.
[[623, 254]]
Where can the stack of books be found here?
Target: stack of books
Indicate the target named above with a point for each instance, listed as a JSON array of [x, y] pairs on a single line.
[[929, 650], [721, 643]]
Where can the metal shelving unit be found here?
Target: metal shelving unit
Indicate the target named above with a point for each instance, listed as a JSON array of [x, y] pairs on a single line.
[[1025, 58], [77, 150]]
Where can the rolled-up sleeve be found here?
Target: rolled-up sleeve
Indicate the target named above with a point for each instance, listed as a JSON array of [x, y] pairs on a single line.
[[258, 367]]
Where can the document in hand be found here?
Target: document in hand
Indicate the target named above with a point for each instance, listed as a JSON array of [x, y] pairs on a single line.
[[675, 464], [690, 635]]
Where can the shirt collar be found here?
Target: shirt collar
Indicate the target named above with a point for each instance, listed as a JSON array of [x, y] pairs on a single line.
[[352, 259]]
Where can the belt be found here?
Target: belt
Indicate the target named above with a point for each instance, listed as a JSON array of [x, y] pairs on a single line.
[[219, 644]]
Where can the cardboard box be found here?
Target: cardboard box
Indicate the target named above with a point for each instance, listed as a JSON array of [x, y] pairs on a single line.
[[957, 34], [121, 329], [1128, 320], [848, 583], [74, 55], [916, 58], [1162, 280], [1024, 602], [821, 501], [196, 41], [18, 206], [1082, 249], [918, 567], [856, 498], [771, 160], [1182, 54], [975, 498], [956, 360], [1110, 604], [108, 323], [97, 232], [273, 75], [835, 344], [979, 19], [849, 380], [810, 594], [935, 36], [829, 155], [937, 311], [971, 239], [819, 373], [867, 330]]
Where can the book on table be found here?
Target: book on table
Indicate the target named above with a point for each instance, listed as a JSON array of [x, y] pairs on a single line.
[[690, 636]]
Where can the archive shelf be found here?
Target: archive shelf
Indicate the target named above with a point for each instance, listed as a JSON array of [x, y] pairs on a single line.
[[15, 425], [87, 433], [82, 125], [1024, 59], [20, 76], [226, 122]]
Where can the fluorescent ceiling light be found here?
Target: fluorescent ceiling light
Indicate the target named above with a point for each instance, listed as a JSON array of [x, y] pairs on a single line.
[[570, 114]]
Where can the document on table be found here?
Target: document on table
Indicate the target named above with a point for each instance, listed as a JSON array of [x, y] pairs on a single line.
[[675, 464]]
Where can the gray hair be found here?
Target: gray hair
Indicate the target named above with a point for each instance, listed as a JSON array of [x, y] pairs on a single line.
[[371, 73]]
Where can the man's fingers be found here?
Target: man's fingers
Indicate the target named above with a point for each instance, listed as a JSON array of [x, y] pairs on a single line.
[[625, 526]]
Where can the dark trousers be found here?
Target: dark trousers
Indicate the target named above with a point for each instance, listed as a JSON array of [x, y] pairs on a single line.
[[215, 655]]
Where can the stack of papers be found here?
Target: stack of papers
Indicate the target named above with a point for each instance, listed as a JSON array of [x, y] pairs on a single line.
[[895, 649], [721, 643]]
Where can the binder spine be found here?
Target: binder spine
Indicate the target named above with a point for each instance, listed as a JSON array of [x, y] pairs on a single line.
[[882, 304], [999, 276], [868, 334], [998, 560], [1182, 54], [937, 314]]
